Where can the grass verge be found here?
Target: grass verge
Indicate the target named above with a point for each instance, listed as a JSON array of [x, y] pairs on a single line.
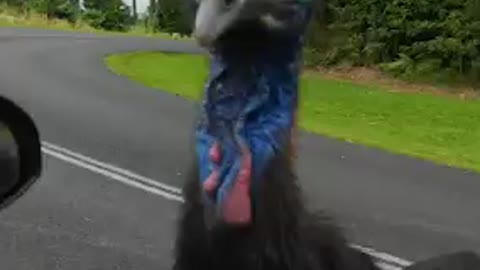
[[441, 129], [12, 18]]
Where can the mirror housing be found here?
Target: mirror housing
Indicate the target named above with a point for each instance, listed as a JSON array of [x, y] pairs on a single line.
[[21, 157]]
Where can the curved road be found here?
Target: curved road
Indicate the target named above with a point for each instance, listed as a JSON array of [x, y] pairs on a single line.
[[85, 215]]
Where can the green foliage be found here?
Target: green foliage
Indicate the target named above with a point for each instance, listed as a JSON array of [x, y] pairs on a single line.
[[111, 15], [171, 16], [59, 9], [64, 9], [406, 37], [20, 4]]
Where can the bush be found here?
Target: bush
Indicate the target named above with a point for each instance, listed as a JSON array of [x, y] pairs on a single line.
[[173, 16], [110, 15], [66, 10], [406, 37], [53, 9]]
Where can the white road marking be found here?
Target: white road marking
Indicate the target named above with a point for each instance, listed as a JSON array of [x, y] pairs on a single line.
[[386, 266], [131, 179], [383, 256], [112, 168], [112, 175]]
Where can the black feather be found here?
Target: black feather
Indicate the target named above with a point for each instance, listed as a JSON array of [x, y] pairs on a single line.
[[283, 235]]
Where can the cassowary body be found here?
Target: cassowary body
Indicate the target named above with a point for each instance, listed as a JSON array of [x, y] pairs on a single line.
[[248, 112]]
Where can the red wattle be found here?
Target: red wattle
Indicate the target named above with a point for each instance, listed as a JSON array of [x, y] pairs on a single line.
[[237, 205], [212, 182]]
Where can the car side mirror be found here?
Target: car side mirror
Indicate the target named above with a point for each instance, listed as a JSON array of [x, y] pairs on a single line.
[[20, 152]]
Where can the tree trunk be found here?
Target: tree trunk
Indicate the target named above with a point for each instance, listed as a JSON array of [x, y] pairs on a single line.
[[134, 8], [152, 16]]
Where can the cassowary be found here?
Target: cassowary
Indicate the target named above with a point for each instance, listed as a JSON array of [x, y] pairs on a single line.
[[243, 206]]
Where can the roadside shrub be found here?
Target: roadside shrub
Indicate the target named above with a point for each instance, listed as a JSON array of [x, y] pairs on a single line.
[[410, 38]]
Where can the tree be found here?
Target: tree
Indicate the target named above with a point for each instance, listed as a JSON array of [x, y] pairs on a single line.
[[134, 9], [111, 15], [64, 9], [152, 15], [173, 16]]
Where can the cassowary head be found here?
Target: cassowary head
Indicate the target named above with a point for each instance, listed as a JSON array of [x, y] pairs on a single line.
[[215, 18]]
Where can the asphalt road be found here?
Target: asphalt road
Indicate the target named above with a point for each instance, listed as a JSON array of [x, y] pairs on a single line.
[[75, 218]]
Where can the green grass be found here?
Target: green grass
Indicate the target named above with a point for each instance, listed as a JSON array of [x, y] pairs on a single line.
[[181, 74], [440, 129]]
